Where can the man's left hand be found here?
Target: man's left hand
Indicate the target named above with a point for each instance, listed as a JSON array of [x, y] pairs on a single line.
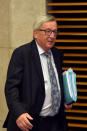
[[68, 106]]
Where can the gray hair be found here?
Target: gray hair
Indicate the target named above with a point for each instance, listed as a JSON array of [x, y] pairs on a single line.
[[39, 21]]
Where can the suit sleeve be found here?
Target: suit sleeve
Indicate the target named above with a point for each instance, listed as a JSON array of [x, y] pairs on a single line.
[[13, 84]]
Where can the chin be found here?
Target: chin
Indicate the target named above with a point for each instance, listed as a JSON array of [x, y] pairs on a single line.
[[49, 47]]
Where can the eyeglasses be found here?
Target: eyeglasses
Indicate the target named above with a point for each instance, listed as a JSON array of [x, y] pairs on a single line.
[[49, 32]]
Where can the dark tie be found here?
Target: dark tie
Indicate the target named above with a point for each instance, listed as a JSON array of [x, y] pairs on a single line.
[[55, 93]]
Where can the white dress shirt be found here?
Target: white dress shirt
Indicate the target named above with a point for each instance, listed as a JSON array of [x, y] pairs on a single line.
[[46, 109]]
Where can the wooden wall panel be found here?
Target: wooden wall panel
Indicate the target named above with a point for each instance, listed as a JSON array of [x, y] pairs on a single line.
[[71, 16]]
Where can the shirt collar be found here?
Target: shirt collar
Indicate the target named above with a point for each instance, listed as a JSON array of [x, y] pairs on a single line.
[[40, 50]]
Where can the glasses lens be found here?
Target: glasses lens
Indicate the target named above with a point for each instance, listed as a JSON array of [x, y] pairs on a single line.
[[49, 32]]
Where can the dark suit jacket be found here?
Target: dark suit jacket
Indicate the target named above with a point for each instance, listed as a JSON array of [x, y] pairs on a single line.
[[24, 88]]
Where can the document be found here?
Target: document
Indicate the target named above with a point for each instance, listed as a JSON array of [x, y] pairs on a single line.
[[70, 88]]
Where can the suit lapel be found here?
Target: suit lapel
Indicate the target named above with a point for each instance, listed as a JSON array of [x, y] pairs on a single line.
[[37, 63], [56, 56]]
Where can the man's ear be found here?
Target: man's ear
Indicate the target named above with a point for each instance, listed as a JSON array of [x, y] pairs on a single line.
[[35, 33]]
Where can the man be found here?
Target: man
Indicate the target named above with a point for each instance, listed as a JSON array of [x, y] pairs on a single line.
[[28, 85]]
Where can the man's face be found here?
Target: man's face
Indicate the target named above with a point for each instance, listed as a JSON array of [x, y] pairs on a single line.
[[45, 37]]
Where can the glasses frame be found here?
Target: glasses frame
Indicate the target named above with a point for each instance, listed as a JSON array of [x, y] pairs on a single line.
[[49, 32]]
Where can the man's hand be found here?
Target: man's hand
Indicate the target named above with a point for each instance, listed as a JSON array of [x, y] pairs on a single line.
[[68, 106], [23, 122]]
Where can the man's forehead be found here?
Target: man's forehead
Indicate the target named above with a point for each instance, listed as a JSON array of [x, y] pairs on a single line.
[[49, 23]]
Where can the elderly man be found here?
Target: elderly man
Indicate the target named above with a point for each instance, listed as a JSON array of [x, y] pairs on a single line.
[[34, 88]]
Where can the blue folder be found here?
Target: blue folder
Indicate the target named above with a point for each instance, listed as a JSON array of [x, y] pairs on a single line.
[[70, 88]]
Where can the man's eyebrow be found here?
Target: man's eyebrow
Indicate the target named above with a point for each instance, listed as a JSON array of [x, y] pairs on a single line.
[[50, 29]]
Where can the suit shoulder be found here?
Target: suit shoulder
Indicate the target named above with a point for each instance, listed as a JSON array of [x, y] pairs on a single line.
[[56, 50], [23, 48]]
